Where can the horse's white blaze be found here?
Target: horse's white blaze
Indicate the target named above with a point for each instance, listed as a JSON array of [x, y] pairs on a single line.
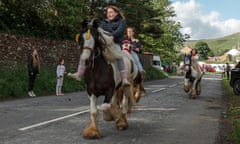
[[89, 43], [85, 54], [186, 81], [194, 72]]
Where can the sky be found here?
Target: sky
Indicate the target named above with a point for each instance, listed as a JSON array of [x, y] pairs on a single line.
[[207, 19]]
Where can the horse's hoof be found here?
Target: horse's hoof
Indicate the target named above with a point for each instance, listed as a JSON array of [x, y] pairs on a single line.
[[91, 133], [122, 123], [107, 116], [186, 89]]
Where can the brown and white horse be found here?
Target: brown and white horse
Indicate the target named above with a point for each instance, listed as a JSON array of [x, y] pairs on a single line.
[[192, 77], [103, 79]]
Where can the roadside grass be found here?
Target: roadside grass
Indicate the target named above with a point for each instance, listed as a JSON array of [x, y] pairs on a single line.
[[14, 81], [234, 113]]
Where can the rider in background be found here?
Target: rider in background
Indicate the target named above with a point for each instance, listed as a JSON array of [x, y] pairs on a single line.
[[195, 58], [135, 49], [116, 25]]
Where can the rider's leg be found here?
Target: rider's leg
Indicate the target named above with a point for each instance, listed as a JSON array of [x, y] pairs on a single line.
[[138, 63], [121, 68]]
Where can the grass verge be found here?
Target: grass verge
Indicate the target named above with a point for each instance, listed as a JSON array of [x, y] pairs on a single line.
[[14, 81], [233, 114]]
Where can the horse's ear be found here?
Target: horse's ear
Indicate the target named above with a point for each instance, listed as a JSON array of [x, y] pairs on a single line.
[[84, 24]]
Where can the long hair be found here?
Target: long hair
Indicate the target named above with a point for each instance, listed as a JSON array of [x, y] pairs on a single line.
[[36, 61], [116, 9]]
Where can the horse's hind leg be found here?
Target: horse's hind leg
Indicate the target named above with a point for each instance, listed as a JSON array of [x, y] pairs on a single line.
[[127, 102], [92, 131], [137, 92], [121, 122]]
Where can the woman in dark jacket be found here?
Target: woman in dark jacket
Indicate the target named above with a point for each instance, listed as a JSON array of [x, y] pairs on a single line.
[[33, 71], [116, 25]]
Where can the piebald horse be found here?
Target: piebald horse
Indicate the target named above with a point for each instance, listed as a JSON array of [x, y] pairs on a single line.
[[192, 77], [103, 79]]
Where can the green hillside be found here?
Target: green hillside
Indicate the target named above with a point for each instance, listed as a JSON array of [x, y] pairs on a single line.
[[219, 45]]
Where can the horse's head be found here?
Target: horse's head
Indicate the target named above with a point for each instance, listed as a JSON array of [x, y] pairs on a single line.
[[187, 63], [90, 40]]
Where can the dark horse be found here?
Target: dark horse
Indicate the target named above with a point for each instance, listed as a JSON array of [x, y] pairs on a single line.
[[103, 79], [192, 77]]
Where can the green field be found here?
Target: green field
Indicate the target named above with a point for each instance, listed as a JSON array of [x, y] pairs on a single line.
[[219, 45]]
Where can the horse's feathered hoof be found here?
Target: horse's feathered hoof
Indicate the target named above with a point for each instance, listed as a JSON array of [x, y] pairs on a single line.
[[91, 132], [74, 76], [122, 123], [107, 116], [186, 89]]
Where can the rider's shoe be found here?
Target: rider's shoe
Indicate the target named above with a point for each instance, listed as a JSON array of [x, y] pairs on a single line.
[[74, 76], [143, 74], [125, 82]]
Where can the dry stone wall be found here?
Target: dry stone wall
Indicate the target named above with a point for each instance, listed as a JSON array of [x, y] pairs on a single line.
[[14, 49]]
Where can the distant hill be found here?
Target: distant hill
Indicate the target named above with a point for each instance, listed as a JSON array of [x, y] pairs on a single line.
[[219, 45]]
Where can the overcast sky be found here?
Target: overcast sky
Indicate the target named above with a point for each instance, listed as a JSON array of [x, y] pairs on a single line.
[[204, 19]]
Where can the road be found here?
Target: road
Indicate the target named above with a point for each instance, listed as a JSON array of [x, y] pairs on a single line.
[[164, 116]]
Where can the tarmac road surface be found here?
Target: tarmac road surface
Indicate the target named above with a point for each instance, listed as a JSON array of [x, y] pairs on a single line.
[[164, 116]]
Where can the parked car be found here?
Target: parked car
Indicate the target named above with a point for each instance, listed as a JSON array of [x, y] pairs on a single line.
[[211, 69], [235, 81]]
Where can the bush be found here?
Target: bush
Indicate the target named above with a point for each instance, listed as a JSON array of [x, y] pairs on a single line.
[[153, 73]]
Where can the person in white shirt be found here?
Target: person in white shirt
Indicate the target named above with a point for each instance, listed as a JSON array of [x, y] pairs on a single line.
[[60, 75]]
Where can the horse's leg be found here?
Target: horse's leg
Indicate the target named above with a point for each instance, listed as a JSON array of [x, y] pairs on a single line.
[[199, 87], [194, 91], [186, 85], [128, 102], [92, 131], [137, 92], [121, 122]]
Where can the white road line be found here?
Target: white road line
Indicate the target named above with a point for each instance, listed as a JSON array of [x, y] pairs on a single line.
[[156, 109], [53, 120], [157, 90], [173, 85]]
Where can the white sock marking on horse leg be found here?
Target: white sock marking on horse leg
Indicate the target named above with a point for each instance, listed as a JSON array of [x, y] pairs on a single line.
[[93, 106], [125, 104]]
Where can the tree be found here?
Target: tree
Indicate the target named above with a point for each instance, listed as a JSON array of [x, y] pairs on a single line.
[[203, 49]]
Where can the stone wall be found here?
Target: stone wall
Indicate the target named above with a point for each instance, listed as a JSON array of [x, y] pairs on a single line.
[[16, 48]]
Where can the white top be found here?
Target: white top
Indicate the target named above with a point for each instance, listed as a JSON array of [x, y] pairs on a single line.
[[60, 70]]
